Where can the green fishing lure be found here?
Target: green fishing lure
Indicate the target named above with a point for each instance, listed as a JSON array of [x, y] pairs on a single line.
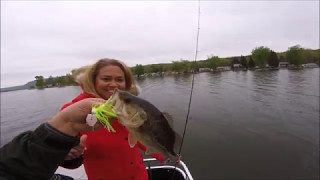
[[103, 112]]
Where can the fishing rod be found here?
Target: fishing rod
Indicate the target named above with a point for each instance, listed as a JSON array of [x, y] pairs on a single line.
[[191, 91]]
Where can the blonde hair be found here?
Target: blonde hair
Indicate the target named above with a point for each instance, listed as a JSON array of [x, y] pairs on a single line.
[[88, 78]]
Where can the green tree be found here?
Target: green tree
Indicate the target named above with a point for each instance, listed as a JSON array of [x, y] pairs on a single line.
[[225, 62], [243, 62], [176, 66], [260, 55], [201, 64], [213, 62], [139, 70], [282, 58], [155, 68], [234, 60], [295, 55], [39, 82], [311, 56], [69, 80], [273, 60], [51, 81], [61, 81], [198, 64], [186, 66], [166, 68], [76, 72], [251, 63]]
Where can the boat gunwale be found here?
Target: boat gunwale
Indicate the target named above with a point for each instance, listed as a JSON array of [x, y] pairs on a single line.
[[186, 173]]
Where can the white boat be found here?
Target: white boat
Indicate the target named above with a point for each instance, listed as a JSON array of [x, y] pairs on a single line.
[[156, 171]]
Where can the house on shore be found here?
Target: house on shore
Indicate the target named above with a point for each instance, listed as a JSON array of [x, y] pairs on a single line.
[[310, 65], [283, 64], [236, 67], [223, 68], [204, 69]]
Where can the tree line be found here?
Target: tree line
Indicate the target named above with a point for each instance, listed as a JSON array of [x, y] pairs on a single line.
[[58, 81], [259, 57]]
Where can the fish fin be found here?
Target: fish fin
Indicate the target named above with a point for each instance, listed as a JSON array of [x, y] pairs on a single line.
[[178, 141], [149, 151], [132, 140], [165, 161], [169, 118]]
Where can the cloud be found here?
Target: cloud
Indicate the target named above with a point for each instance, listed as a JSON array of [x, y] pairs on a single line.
[[57, 36]]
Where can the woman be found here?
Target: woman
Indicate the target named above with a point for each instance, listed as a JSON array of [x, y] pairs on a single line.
[[108, 155]]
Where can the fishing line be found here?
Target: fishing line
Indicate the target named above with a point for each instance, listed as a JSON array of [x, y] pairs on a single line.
[[192, 84]]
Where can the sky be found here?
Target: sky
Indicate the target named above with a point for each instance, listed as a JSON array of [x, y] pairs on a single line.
[[54, 37]]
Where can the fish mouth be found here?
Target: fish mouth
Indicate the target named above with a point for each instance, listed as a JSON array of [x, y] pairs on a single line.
[[119, 106], [116, 102], [123, 110]]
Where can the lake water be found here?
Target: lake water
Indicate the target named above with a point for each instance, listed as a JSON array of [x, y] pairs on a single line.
[[242, 124]]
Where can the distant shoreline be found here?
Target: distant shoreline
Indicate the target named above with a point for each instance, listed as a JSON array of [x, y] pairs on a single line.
[[31, 85]]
